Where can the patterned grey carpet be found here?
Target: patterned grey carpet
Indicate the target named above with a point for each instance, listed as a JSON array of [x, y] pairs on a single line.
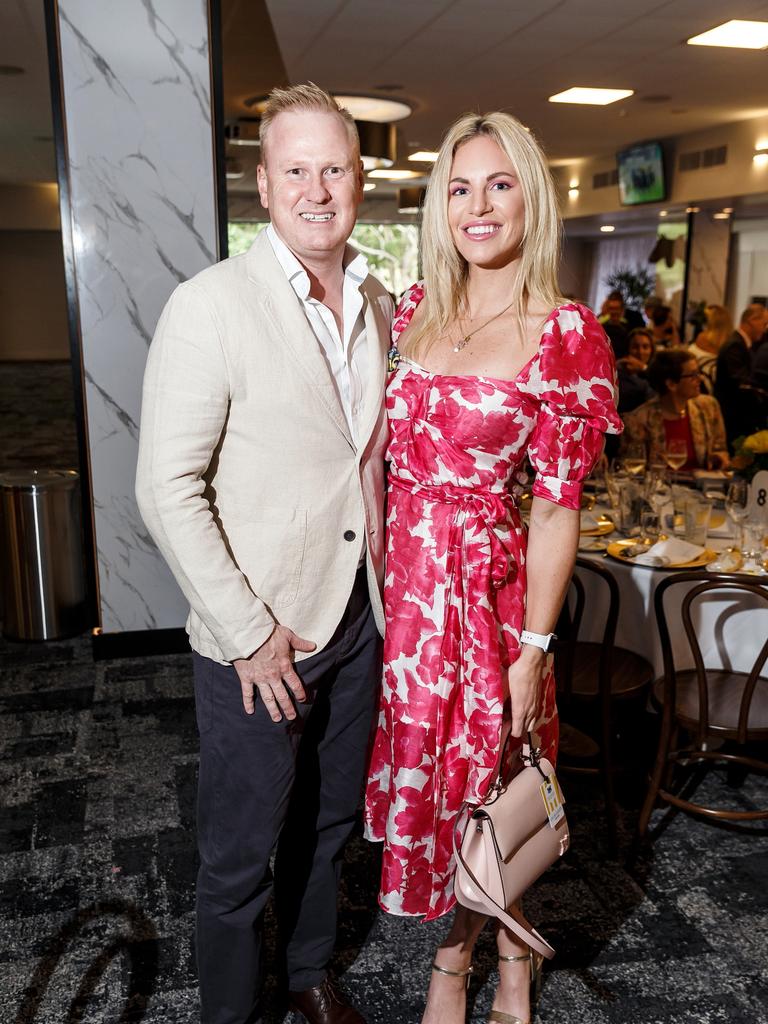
[[97, 852], [97, 867]]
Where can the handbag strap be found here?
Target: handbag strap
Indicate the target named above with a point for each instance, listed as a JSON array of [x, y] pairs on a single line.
[[516, 923]]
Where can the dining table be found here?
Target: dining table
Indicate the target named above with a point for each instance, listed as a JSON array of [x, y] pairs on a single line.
[[731, 627]]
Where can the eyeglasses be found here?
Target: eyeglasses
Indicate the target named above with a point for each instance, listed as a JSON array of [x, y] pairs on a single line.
[[693, 373]]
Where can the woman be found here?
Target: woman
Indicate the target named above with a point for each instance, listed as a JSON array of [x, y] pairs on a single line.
[[491, 368], [717, 330], [663, 328], [634, 388], [680, 413]]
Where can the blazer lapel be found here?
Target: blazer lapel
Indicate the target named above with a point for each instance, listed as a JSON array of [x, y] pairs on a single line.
[[292, 329], [377, 326]]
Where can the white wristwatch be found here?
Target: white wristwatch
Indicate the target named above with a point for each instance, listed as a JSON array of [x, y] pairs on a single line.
[[542, 640]]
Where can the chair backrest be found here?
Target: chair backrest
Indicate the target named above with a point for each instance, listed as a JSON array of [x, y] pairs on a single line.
[[569, 626], [698, 584]]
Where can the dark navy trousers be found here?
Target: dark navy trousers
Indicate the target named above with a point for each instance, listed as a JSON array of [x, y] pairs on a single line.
[[288, 789]]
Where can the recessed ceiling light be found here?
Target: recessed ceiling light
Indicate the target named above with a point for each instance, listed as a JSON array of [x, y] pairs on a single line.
[[394, 174], [369, 186], [721, 216], [374, 108], [760, 158], [362, 108], [593, 97], [747, 35], [607, 228], [424, 156], [727, 209], [573, 192], [693, 209], [663, 213]]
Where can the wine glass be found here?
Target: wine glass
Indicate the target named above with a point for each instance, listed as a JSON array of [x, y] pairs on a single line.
[[635, 459], [675, 454], [737, 507]]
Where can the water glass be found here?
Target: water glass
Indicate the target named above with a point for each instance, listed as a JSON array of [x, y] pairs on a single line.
[[630, 504], [696, 513]]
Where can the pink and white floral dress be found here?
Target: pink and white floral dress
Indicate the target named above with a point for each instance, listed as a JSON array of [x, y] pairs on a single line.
[[455, 581]]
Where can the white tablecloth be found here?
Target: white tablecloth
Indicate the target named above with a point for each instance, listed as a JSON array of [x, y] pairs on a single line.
[[731, 628]]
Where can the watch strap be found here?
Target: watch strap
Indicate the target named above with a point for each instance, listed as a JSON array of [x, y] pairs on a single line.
[[542, 640]]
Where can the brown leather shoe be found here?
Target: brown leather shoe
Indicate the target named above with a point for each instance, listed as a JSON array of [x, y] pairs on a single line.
[[324, 1004]]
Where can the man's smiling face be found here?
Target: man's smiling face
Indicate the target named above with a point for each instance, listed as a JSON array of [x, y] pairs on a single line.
[[311, 182]]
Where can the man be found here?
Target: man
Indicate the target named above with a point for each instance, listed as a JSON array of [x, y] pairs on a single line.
[[615, 321], [743, 406], [261, 479]]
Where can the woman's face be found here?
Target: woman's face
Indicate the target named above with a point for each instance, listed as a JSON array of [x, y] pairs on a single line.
[[486, 212], [689, 385], [641, 347]]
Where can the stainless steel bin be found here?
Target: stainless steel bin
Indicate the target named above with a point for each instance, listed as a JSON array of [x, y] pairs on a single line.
[[41, 554]]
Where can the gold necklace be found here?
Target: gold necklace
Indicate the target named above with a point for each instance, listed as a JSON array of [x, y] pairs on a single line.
[[463, 342]]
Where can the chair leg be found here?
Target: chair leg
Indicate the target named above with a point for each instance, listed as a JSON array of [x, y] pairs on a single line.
[[606, 770], [657, 774]]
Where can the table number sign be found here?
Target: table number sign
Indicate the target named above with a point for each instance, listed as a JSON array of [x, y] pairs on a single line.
[[758, 495]]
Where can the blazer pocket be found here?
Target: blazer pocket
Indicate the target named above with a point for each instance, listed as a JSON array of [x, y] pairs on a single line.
[[267, 543]]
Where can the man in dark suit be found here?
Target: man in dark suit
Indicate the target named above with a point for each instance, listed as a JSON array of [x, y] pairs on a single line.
[[743, 406]]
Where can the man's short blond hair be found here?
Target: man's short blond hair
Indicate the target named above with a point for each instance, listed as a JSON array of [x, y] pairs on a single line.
[[301, 98]]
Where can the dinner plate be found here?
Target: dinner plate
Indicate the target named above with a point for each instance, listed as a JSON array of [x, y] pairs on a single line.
[[592, 545], [617, 548], [604, 526]]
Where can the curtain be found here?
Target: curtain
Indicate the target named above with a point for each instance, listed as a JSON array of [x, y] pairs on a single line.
[[613, 253]]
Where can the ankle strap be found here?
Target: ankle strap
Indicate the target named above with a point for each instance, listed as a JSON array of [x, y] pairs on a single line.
[[453, 974], [514, 959]]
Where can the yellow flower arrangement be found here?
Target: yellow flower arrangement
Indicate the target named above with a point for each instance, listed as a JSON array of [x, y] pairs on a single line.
[[757, 443], [750, 454]]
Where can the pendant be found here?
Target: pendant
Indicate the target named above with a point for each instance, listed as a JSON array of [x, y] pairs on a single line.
[[460, 344]]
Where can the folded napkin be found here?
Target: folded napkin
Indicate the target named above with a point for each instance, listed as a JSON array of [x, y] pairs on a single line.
[[673, 551]]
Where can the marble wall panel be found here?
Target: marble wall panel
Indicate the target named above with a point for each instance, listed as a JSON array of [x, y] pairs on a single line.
[[137, 108], [708, 263]]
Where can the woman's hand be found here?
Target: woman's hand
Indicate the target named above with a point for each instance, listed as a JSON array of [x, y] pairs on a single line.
[[525, 688]]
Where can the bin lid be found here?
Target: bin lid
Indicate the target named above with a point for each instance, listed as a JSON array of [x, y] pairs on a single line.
[[38, 479]]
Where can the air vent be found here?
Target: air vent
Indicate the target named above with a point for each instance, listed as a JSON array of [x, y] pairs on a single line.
[[605, 179], [713, 157]]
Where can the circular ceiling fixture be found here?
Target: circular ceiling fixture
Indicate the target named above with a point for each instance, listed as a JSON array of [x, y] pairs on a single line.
[[363, 108], [410, 200], [378, 144]]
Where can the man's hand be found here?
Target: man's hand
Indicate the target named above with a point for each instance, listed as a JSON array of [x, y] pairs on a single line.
[[270, 668]]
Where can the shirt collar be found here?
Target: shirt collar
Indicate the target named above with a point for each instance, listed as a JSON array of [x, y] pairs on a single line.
[[354, 262]]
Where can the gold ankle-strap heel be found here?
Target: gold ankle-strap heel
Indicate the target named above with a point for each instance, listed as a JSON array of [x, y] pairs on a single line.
[[467, 973], [536, 961]]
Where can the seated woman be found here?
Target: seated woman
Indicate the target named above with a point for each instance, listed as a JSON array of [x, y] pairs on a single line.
[[680, 412], [664, 328], [634, 388], [717, 330]]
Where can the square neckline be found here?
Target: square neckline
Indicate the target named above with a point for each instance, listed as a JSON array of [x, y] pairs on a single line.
[[473, 376]]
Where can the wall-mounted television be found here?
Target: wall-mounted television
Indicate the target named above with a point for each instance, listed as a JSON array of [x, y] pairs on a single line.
[[641, 174]]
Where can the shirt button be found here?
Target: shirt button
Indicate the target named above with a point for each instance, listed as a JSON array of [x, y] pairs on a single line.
[[349, 535]]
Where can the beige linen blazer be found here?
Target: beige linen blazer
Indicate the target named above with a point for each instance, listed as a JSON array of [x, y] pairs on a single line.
[[248, 478]]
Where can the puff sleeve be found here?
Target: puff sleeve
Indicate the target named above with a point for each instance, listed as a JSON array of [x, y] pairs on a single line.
[[572, 384]]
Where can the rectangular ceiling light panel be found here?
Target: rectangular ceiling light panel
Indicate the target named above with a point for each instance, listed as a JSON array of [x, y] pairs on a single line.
[[594, 97], [747, 35]]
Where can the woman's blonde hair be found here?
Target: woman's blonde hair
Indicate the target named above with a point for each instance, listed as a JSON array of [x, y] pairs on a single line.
[[445, 270], [719, 326]]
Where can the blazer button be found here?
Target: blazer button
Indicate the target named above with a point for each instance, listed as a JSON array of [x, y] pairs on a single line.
[[349, 535]]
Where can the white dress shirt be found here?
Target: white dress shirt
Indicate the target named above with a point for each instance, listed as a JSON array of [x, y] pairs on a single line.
[[347, 357]]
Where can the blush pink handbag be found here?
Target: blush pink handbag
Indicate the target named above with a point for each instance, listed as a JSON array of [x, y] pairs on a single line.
[[508, 843]]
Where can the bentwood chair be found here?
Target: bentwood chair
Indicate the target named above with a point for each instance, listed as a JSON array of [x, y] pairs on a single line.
[[719, 711], [593, 678]]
